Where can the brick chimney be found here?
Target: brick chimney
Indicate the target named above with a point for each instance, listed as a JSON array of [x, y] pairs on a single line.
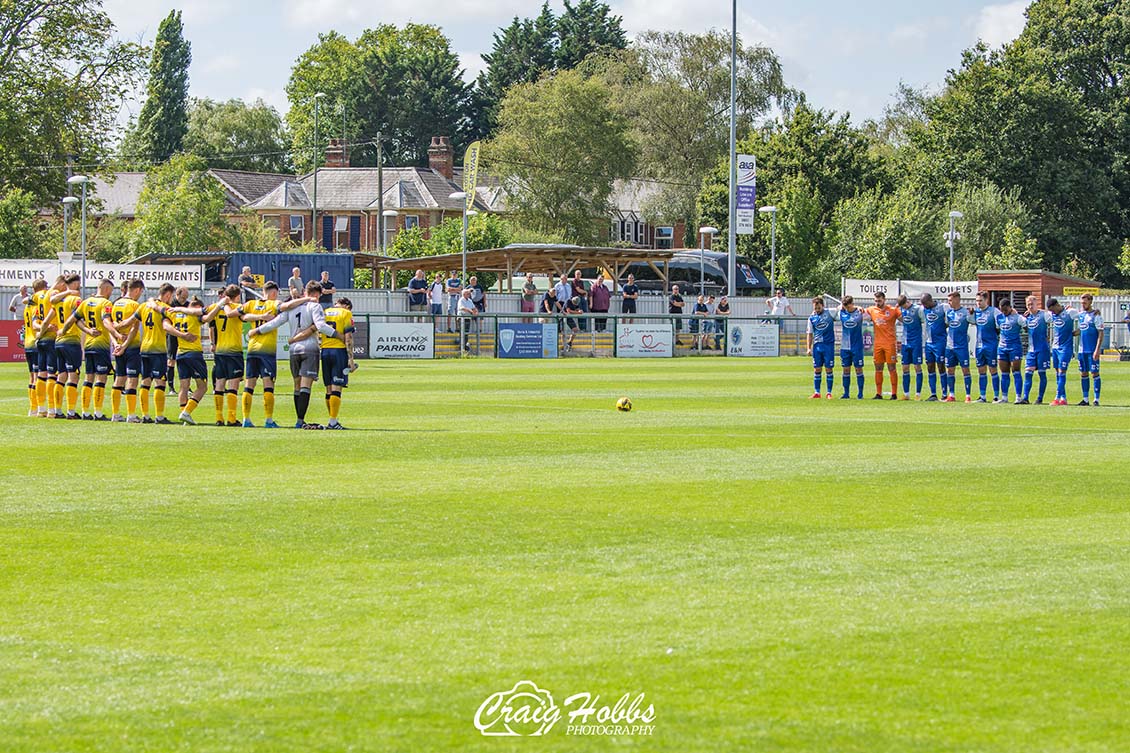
[[336, 154], [441, 157]]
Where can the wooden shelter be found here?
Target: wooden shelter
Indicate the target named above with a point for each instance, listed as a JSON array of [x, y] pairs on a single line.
[[539, 259], [1016, 285]]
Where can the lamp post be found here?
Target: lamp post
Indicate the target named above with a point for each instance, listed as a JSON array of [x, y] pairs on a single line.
[[82, 180], [710, 231], [772, 212], [952, 238], [317, 97], [461, 196], [68, 206]]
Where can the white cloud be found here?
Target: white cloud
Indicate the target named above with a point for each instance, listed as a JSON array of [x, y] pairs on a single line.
[[325, 14], [1000, 24], [276, 99], [222, 63]]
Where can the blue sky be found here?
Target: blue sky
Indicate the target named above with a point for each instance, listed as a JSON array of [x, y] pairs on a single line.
[[847, 56]]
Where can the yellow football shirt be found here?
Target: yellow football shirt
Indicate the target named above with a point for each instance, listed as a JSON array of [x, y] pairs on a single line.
[[263, 343], [188, 323], [42, 302], [122, 310], [29, 329], [92, 311], [63, 311], [341, 320], [229, 334], [151, 314]]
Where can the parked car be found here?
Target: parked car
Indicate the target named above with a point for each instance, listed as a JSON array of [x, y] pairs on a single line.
[[693, 270]]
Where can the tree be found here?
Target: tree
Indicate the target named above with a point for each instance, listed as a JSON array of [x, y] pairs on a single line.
[[673, 86], [1017, 251], [560, 146], [63, 78], [237, 136], [327, 67], [252, 234], [180, 208], [990, 214], [483, 231], [800, 235], [163, 122], [108, 239], [528, 49], [18, 237]]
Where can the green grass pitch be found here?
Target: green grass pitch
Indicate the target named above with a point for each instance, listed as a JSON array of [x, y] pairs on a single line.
[[774, 573]]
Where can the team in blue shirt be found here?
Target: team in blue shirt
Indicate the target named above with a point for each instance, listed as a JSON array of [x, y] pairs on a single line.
[[941, 333]]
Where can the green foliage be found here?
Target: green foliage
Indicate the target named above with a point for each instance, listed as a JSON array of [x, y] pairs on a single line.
[[671, 86], [483, 231], [1017, 251], [410, 243], [990, 214], [1124, 259], [237, 136], [800, 236], [18, 236], [108, 239], [362, 278], [250, 233], [562, 142], [63, 78], [405, 84], [163, 121], [180, 208]]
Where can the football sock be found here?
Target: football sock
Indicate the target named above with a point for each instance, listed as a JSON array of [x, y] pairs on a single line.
[[99, 398], [159, 401], [116, 400], [1098, 386], [878, 381], [32, 398], [996, 385], [847, 383], [131, 402], [1027, 384], [87, 394], [816, 382], [982, 383], [918, 383], [1061, 385], [1043, 384], [143, 398], [906, 383], [218, 398], [232, 402], [268, 402], [933, 383], [894, 381], [41, 392], [58, 395], [190, 406], [968, 384], [245, 403], [72, 397], [830, 378], [1006, 382], [302, 403], [1086, 382], [334, 406], [951, 384], [859, 384], [1018, 382]]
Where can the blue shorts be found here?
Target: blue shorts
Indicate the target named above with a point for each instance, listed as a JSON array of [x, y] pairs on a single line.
[[824, 355], [987, 356], [97, 362], [68, 357], [154, 365], [191, 366], [128, 364], [1038, 360], [335, 367], [955, 358], [1061, 359], [1088, 363], [851, 358], [261, 365], [227, 366], [1005, 353], [936, 353], [32, 358], [46, 357], [912, 355]]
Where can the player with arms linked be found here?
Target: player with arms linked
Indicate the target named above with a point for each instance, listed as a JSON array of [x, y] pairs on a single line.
[[1090, 348], [1009, 350], [851, 344], [822, 346]]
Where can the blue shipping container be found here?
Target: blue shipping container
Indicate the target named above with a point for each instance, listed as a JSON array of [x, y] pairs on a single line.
[[278, 266]]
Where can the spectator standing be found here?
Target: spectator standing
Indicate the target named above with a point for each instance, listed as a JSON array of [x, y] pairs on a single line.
[[708, 326], [479, 298], [436, 294], [549, 306], [564, 291], [454, 292], [326, 298], [779, 304], [572, 308], [248, 285], [675, 307], [529, 295], [295, 284], [418, 292], [599, 300], [630, 294], [467, 313], [17, 301], [700, 312], [721, 310], [581, 291]]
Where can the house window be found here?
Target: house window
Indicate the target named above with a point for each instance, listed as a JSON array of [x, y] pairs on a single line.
[[341, 232], [411, 221], [664, 237], [297, 228], [641, 230], [271, 221]]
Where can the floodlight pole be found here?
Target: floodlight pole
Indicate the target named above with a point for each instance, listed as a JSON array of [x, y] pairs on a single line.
[[731, 229], [314, 201]]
